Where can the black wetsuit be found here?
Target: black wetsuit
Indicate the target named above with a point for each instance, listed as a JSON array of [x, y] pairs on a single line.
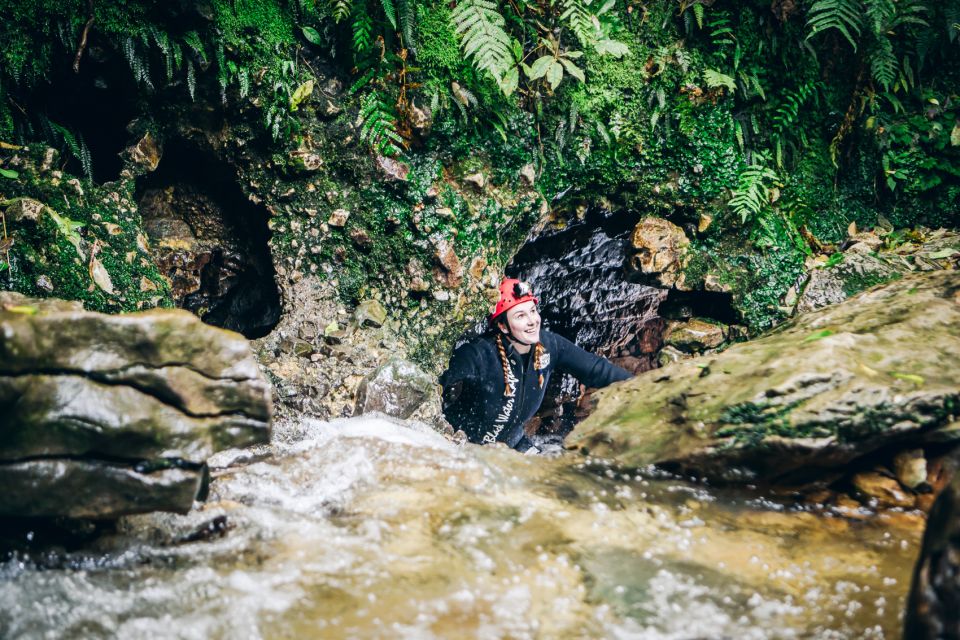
[[473, 385]]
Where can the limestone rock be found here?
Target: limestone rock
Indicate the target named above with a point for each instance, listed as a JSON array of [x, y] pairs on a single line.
[[369, 313], [661, 250], [695, 335], [823, 390], [911, 468], [883, 490], [83, 386], [338, 218], [146, 153], [397, 388], [449, 270]]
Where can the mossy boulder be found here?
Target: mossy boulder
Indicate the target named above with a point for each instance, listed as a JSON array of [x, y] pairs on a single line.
[[825, 389]]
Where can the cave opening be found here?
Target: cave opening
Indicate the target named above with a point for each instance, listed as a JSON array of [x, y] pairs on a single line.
[[210, 240]]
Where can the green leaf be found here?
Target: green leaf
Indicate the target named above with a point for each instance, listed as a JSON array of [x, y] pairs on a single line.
[[312, 35], [555, 74], [26, 310], [573, 55], [943, 253], [818, 335], [716, 79], [302, 93], [539, 67], [909, 377], [955, 135], [612, 48], [573, 70], [9, 173], [68, 228], [510, 80], [3, 266]]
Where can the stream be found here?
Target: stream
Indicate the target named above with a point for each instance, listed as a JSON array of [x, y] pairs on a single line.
[[368, 528]]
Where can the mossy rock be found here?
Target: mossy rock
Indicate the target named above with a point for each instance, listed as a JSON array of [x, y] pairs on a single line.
[[821, 391]]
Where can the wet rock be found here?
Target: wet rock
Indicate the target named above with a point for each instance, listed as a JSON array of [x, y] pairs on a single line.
[[932, 610], [338, 218], [712, 283], [77, 387], [661, 250], [25, 211], [397, 389], [911, 468], [882, 490], [835, 284], [793, 406], [694, 335], [420, 119], [306, 161], [361, 238], [93, 489]]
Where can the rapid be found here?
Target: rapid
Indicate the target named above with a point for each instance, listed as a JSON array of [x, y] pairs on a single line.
[[371, 528]]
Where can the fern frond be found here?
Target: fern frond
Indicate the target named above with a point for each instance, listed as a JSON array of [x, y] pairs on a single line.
[[340, 9], [883, 63], [582, 23], [845, 16], [378, 124], [752, 193], [362, 31], [484, 39], [390, 11], [407, 13]]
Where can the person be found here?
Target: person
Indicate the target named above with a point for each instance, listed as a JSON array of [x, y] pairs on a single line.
[[496, 382]]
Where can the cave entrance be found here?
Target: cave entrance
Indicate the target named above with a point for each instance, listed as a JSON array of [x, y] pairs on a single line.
[[580, 275], [210, 240]]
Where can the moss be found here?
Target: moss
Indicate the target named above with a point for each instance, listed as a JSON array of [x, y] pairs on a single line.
[[111, 228]]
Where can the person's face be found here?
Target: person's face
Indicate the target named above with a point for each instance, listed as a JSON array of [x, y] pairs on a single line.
[[523, 321]]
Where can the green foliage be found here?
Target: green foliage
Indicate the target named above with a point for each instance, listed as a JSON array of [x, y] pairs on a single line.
[[485, 41], [752, 194], [379, 124]]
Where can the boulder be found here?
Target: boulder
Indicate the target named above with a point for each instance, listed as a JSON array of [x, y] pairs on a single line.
[[86, 396], [799, 404], [661, 251], [397, 388], [695, 335]]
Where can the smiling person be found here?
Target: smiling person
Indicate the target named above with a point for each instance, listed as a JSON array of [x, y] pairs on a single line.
[[496, 382]]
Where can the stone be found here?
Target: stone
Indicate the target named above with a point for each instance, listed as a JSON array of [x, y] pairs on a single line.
[[935, 588], [78, 387], [528, 173], [449, 271], [369, 313], [797, 405], [361, 238], [477, 267], [477, 180], [393, 169], [661, 250], [911, 468], [694, 335], [397, 388], [420, 119], [146, 153], [882, 490], [711, 282], [704, 223], [24, 211], [94, 489], [338, 218], [669, 355]]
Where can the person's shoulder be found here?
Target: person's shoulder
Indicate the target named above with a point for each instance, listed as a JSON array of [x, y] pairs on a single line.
[[476, 345], [552, 340]]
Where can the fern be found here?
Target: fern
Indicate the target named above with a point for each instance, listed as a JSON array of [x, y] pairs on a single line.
[[483, 37], [407, 13], [378, 124], [752, 193], [786, 116], [883, 63], [581, 22], [844, 16], [362, 31], [340, 9]]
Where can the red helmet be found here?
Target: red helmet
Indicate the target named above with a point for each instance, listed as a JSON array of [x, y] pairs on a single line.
[[512, 293]]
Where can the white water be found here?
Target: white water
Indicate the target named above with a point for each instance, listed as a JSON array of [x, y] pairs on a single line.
[[366, 528]]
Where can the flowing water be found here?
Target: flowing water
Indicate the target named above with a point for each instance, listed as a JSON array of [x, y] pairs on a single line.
[[366, 528]]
